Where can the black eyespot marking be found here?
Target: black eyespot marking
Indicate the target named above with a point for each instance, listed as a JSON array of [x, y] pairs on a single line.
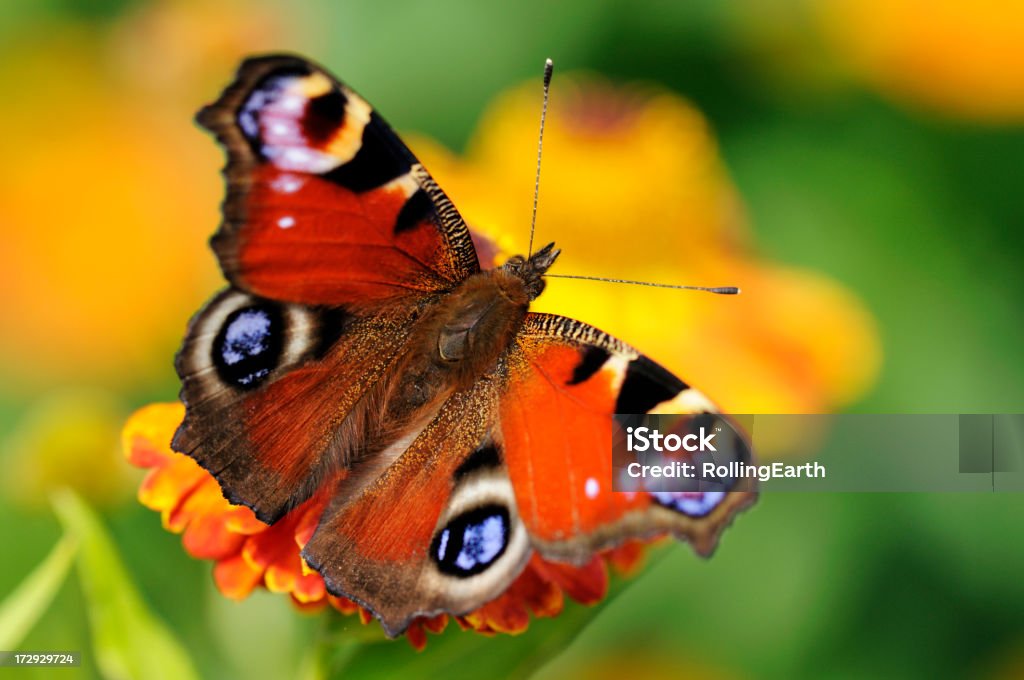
[[416, 209], [646, 385], [324, 116], [593, 360], [379, 160], [249, 344], [472, 542], [487, 456]]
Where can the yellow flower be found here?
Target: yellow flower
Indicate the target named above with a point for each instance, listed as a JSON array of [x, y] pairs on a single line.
[[99, 264], [632, 187], [964, 59], [109, 188]]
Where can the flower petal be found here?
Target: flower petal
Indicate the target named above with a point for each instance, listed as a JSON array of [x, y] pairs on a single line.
[[236, 577], [587, 584]]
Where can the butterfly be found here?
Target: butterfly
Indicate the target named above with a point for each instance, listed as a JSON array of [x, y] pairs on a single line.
[[361, 354]]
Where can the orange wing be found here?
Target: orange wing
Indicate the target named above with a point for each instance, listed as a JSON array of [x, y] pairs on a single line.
[[434, 527], [566, 381]]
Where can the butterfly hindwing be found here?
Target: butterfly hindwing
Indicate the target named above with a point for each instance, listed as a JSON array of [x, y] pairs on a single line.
[[437, 530], [325, 203], [277, 394]]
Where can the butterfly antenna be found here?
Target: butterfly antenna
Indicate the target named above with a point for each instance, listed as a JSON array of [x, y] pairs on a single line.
[[549, 66], [719, 290]]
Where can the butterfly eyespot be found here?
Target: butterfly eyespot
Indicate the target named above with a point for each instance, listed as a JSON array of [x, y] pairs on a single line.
[[248, 346], [268, 92], [691, 503], [472, 541]]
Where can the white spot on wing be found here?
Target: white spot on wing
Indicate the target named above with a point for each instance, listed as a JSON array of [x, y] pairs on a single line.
[[292, 103], [286, 222], [592, 488], [299, 159], [687, 401], [617, 365], [406, 183], [287, 183]]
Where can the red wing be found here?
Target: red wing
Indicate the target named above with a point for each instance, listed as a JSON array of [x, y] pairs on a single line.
[[325, 204], [566, 381], [268, 388], [437, 530]]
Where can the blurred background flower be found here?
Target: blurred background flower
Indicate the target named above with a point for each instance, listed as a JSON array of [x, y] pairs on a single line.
[[633, 187], [960, 59], [851, 165], [67, 438]]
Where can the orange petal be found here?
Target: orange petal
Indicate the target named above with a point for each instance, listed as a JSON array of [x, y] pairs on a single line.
[[586, 584], [164, 487], [286, 575], [146, 437], [343, 604], [205, 511], [142, 452], [242, 520], [309, 520], [272, 545], [235, 577], [435, 624], [309, 588], [207, 538], [311, 607], [505, 614], [626, 558], [415, 635], [280, 578]]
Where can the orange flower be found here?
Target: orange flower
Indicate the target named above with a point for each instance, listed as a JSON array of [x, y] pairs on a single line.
[[249, 554], [961, 58]]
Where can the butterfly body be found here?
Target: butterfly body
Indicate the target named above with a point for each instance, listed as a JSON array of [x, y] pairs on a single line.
[[472, 326], [361, 355]]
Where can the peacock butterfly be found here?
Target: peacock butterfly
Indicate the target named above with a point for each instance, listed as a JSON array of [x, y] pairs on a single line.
[[361, 352]]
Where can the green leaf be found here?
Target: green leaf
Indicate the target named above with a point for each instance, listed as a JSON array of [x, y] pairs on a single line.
[[23, 607], [129, 641]]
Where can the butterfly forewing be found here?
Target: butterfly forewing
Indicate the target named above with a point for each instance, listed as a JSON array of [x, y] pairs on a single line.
[[566, 382], [325, 203]]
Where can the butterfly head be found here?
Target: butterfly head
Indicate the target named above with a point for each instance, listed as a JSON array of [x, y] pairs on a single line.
[[531, 270]]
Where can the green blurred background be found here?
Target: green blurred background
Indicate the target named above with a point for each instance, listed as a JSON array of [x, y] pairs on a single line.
[[877, 143]]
